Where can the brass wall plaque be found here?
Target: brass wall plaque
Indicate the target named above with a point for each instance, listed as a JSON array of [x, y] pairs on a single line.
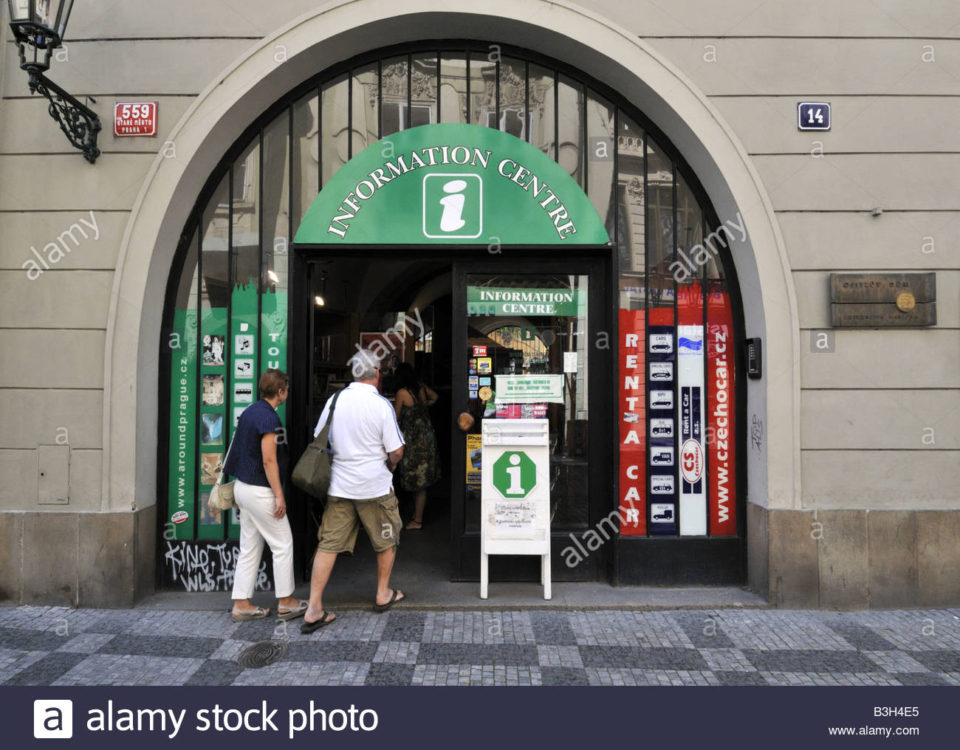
[[883, 300], [882, 287]]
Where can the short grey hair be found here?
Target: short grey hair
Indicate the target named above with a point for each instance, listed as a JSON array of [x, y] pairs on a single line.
[[364, 365]]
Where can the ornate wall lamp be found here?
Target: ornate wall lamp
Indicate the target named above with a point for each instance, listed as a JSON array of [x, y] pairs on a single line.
[[39, 26]]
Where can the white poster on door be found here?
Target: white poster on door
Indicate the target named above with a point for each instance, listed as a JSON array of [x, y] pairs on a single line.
[[520, 389]]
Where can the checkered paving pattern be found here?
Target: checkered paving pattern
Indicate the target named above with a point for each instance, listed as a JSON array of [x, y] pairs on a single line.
[[55, 646]]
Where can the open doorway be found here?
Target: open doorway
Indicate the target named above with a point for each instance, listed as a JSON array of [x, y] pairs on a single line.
[[468, 326], [400, 309]]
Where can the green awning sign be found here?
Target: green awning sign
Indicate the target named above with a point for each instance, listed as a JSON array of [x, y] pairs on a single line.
[[484, 300], [452, 184]]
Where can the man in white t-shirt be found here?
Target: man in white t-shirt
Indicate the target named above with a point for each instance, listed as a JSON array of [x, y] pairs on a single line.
[[367, 446]]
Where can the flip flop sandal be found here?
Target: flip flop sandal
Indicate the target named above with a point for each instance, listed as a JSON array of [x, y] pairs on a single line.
[[393, 600], [254, 614], [309, 627], [292, 614]]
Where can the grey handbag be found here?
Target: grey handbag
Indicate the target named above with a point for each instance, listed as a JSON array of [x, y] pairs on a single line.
[[313, 470]]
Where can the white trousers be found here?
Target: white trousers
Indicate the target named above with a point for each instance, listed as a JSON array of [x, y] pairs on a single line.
[[257, 524]]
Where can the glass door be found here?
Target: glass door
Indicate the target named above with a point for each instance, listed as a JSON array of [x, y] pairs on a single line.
[[524, 349]]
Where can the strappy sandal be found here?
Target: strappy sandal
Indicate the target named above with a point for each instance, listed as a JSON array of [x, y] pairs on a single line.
[[254, 614], [292, 614]]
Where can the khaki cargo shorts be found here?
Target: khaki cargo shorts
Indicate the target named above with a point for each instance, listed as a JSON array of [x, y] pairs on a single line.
[[380, 517]]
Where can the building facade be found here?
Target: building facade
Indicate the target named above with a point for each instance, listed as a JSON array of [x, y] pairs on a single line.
[[699, 288]]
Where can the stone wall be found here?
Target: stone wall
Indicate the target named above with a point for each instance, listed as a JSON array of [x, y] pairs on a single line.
[[879, 454]]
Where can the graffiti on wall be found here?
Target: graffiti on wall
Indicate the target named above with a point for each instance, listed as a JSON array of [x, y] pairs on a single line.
[[756, 433], [201, 566]]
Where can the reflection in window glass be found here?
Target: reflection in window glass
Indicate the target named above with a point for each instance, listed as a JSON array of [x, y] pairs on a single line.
[[275, 202], [715, 241], [541, 93], [689, 232], [242, 345], [216, 219], [365, 108], [513, 98], [453, 88], [631, 219], [335, 141], [306, 156], [275, 246], [660, 232], [423, 90], [187, 288], [600, 162], [394, 91], [570, 104], [246, 217], [483, 91]]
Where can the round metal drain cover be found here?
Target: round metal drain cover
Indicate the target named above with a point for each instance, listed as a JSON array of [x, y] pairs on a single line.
[[262, 653]]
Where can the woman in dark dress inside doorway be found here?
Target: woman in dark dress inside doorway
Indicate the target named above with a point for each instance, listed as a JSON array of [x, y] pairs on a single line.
[[420, 466]]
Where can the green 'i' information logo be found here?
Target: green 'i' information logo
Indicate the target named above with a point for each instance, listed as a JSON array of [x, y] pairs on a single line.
[[452, 205], [514, 474]]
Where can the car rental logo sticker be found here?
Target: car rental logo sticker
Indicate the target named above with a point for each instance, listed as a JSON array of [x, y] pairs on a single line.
[[661, 371], [661, 511], [691, 461], [661, 484], [661, 343]]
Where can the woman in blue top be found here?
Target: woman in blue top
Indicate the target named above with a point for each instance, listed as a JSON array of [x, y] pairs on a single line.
[[258, 460]]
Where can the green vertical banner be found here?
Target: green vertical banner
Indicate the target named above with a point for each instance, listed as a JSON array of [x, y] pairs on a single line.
[[273, 345], [182, 500], [273, 337], [243, 363], [213, 416]]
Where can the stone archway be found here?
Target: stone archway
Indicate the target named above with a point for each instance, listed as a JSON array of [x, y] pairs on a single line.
[[321, 38]]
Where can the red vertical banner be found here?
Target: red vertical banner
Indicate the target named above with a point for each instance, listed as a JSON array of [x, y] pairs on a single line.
[[632, 419], [721, 412]]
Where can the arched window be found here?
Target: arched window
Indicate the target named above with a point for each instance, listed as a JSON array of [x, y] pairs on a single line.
[[227, 316]]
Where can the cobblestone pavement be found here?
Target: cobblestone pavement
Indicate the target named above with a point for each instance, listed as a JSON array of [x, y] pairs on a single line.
[[57, 646]]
